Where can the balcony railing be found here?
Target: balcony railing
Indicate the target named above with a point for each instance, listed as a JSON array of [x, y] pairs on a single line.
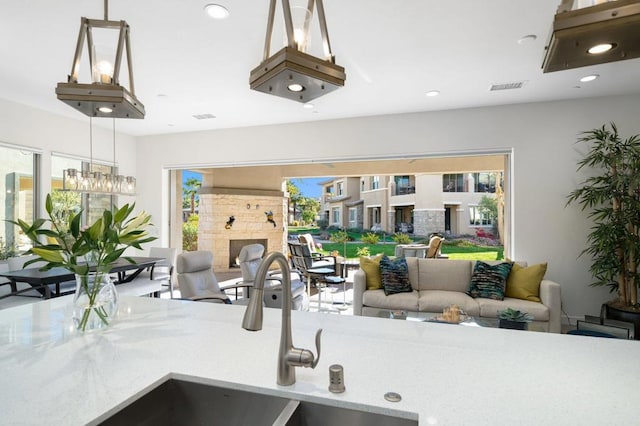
[[404, 190]]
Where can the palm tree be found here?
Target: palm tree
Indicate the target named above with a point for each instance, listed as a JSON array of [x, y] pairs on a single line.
[[190, 190], [294, 196]]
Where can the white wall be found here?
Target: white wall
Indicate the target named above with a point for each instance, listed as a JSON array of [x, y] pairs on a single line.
[[29, 127], [542, 137]]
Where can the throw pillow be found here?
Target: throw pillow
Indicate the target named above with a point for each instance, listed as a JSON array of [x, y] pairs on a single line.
[[524, 283], [395, 275], [371, 268], [489, 281]]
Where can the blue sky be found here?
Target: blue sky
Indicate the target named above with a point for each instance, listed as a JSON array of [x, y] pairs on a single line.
[[308, 186]]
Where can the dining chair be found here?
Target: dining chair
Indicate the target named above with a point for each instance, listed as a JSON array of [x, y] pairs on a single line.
[[162, 270], [315, 271]]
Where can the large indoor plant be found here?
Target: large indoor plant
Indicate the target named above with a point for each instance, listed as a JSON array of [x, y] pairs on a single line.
[[87, 252], [612, 197]]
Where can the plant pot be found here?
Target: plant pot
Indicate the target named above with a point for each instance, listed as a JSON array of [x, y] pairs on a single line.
[[513, 325], [615, 312], [95, 303]]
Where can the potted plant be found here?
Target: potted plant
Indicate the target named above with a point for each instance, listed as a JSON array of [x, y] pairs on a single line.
[[514, 319], [612, 198], [87, 252]]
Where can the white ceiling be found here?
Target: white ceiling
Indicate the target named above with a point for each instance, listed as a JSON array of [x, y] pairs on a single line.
[[393, 53]]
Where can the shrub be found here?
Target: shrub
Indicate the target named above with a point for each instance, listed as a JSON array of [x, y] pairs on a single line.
[[190, 233], [371, 238], [340, 237], [401, 238], [363, 251], [322, 223], [295, 223]]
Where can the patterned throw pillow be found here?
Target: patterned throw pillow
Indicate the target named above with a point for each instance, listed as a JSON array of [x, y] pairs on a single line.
[[489, 281], [395, 275]]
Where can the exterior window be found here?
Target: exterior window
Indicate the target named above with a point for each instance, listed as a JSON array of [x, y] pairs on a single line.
[[17, 167], [66, 203], [340, 188], [403, 185], [484, 182], [479, 216], [375, 182], [453, 182], [335, 216], [353, 217]]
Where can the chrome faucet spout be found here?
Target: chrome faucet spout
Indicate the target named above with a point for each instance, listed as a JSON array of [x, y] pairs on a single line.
[[289, 356]]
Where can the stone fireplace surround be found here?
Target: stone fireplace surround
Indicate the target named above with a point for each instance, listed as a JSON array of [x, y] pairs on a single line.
[[248, 207]]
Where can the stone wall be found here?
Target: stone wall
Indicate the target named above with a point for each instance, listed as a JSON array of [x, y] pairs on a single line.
[[248, 208], [427, 221]]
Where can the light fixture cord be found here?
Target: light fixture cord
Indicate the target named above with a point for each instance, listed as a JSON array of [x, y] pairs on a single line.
[[114, 146], [90, 144], [106, 10]]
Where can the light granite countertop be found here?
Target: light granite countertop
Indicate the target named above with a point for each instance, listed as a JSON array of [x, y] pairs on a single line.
[[446, 374]]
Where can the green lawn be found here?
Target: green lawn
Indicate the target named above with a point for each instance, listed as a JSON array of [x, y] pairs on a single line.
[[454, 252]]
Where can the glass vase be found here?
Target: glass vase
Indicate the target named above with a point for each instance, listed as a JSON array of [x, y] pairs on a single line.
[[95, 303]]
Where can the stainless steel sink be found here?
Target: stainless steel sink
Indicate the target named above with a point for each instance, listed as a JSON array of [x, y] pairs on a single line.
[[311, 414], [179, 402]]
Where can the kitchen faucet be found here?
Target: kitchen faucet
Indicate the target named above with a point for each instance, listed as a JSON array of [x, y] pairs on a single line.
[[289, 356]]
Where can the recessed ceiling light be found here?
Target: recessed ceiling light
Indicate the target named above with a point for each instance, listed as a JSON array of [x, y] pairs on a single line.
[[601, 48], [295, 87], [216, 11], [527, 39], [307, 106], [587, 78], [106, 110], [432, 93]]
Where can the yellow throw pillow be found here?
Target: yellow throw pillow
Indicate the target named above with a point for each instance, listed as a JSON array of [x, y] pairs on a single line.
[[524, 283], [371, 268]]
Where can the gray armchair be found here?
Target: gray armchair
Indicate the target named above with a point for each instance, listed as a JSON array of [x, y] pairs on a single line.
[[250, 258], [197, 280]]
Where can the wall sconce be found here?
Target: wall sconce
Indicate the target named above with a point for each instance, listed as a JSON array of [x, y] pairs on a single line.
[[291, 72], [104, 96]]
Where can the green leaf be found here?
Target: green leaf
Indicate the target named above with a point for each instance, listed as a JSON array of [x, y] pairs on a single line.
[[48, 255], [74, 225]]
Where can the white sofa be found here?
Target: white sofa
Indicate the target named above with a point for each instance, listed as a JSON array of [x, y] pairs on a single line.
[[438, 283]]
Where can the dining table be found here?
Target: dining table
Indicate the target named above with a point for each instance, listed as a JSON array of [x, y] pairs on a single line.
[[44, 281]]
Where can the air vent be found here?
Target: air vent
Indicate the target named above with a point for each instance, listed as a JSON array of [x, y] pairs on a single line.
[[203, 116], [506, 86]]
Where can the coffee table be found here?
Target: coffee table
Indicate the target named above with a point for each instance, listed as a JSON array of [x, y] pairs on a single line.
[[431, 317]]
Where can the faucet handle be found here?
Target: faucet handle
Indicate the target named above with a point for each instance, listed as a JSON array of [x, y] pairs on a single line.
[[304, 357], [318, 336]]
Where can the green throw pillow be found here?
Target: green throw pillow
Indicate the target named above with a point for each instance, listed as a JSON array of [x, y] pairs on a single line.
[[489, 281], [371, 268], [524, 283], [395, 275]]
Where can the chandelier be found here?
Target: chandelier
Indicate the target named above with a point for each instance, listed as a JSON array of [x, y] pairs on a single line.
[[104, 96], [590, 32], [291, 72], [92, 182]]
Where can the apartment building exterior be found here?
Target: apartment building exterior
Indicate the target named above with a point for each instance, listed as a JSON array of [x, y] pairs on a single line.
[[419, 204]]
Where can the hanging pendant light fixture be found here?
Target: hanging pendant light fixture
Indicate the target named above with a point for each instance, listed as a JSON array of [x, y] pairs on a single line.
[[593, 32], [91, 182], [291, 72], [104, 96]]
